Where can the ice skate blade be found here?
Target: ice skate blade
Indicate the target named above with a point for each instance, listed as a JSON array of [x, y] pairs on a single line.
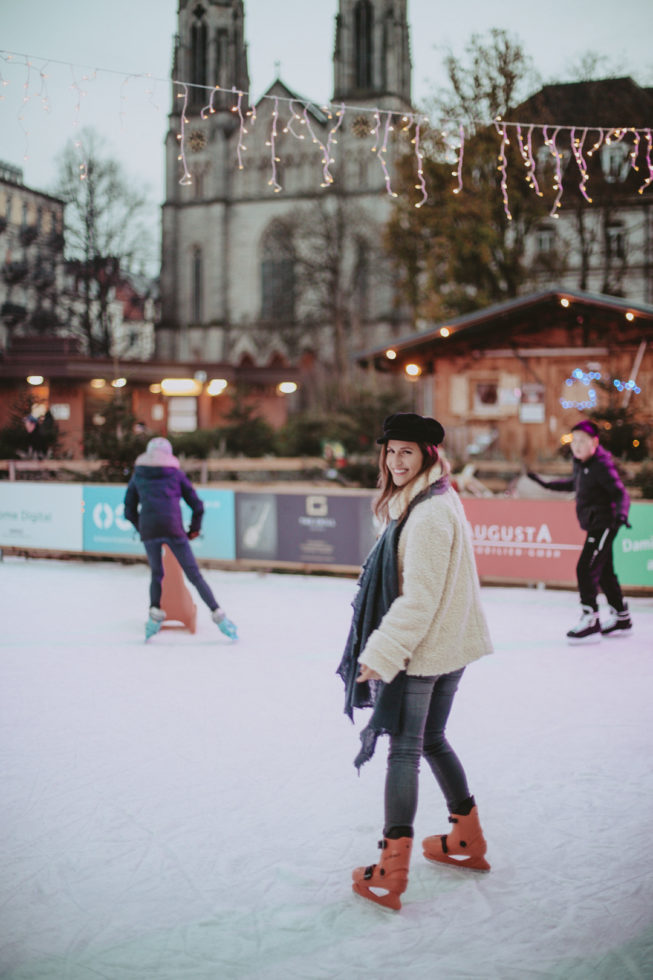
[[480, 865], [616, 634], [389, 902], [576, 641]]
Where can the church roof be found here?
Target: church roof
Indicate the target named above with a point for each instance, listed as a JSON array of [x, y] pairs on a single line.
[[280, 90]]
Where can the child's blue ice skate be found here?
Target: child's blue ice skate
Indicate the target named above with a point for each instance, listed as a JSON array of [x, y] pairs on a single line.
[[154, 623], [224, 625]]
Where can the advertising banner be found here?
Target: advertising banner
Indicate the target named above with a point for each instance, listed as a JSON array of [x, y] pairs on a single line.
[[104, 525], [34, 515], [633, 547], [322, 529], [106, 529], [534, 541]]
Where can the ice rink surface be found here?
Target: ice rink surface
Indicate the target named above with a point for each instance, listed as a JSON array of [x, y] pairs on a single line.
[[189, 809]]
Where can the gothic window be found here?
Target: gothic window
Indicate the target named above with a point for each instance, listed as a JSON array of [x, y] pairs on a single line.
[[198, 56], [363, 44], [277, 275], [197, 284], [222, 58]]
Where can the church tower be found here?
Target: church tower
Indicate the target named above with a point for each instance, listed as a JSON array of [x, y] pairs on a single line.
[[371, 59], [210, 58]]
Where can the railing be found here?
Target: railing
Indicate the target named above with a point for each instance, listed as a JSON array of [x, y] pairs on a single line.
[[206, 468]]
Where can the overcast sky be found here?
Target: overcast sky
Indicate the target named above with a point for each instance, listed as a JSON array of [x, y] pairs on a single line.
[[127, 38]]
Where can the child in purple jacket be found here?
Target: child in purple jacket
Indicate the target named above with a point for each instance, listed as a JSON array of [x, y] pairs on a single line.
[[152, 505]]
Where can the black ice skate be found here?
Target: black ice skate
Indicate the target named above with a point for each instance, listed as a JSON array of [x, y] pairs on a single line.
[[588, 629], [618, 623]]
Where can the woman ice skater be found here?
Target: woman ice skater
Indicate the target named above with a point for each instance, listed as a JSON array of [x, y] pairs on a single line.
[[417, 623], [152, 505]]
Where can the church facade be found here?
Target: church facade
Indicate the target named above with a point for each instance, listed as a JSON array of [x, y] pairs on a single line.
[[272, 223]]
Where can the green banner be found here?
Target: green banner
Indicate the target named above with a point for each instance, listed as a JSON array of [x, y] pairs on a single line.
[[633, 547]]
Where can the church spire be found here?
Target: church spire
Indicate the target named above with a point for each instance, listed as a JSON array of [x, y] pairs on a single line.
[[210, 49], [371, 58]]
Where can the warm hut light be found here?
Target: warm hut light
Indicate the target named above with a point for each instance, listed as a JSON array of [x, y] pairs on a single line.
[[287, 388], [635, 443], [216, 386], [391, 354], [444, 332], [119, 382], [630, 316], [566, 439], [155, 389], [34, 379], [97, 382], [564, 302], [181, 386], [413, 370]]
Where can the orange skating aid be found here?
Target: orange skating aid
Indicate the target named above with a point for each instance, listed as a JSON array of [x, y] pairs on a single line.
[[390, 875], [464, 847], [175, 597]]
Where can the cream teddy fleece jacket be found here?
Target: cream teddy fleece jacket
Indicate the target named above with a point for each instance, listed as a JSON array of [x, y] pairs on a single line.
[[436, 624]]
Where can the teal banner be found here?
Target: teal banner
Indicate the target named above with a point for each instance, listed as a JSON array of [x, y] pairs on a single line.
[[105, 528]]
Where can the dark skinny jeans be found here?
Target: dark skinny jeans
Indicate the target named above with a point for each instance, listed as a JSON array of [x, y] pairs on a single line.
[[595, 570], [183, 552], [425, 710]]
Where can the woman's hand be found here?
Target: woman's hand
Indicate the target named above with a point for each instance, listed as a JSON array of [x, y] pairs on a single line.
[[367, 674]]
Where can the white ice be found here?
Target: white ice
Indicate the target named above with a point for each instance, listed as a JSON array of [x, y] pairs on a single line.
[[189, 808]]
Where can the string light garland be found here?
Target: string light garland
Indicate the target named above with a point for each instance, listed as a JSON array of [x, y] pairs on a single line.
[[385, 120], [578, 376]]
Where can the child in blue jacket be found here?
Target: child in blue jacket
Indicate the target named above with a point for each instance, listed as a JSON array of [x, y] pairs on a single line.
[[152, 506]]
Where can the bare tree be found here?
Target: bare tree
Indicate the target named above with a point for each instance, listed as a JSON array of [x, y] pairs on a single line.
[[108, 230]]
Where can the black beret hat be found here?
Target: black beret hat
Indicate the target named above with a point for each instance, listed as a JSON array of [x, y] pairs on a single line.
[[586, 426], [412, 428]]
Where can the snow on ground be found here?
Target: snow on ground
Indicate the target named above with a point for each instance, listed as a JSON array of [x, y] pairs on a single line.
[[188, 809]]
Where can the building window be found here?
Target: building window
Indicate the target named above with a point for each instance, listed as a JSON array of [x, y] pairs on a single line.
[[615, 242], [615, 161], [277, 275], [182, 413], [486, 398], [545, 238], [363, 42], [197, 274]]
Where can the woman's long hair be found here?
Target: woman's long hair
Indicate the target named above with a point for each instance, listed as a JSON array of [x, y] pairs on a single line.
[[385, 483]]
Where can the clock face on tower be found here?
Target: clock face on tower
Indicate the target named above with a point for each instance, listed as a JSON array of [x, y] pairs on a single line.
[[197, 140]]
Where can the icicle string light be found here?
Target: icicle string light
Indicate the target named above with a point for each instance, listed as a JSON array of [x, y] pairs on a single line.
[[458, 173], [577, 145], [649, 163], [327, 178], [557, 183], [186, 178], [272, 143], [421, 184], [242, 132], [637, 138], [331, 139], [383, 149], [295, 117], [503, 165], [209, 108]]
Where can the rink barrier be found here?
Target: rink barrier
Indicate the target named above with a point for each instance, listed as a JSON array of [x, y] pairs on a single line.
[[300, 527]]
